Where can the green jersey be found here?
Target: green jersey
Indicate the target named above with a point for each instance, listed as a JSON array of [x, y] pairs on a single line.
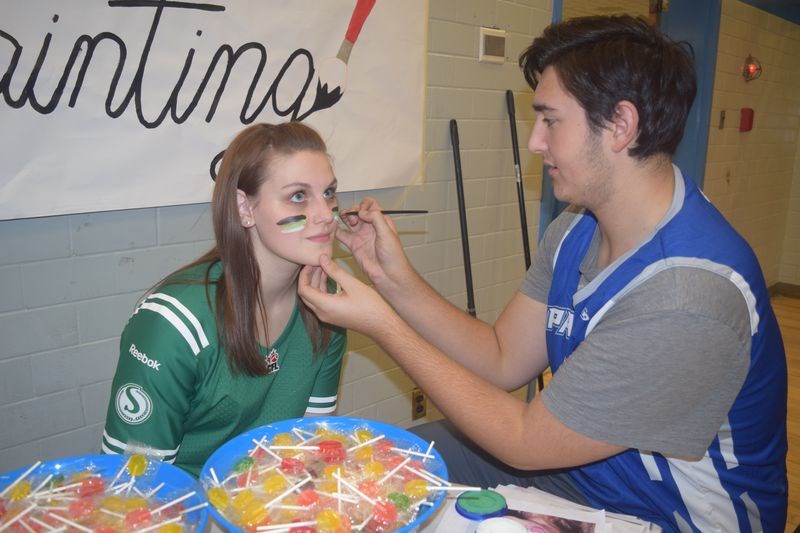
[[174, 396]]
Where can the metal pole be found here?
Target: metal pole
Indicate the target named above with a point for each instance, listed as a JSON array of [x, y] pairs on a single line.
[[462, 215]]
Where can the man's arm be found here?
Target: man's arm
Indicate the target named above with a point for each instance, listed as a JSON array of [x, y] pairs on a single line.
[[507, 354], [523, 435]]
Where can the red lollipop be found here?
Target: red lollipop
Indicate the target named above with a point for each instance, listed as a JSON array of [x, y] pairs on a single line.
[[332, 451], [90, 486], [81, 508], [137, 518], [292, 465]]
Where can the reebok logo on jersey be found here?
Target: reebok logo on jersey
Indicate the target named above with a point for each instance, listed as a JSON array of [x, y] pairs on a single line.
[[142, 357], [133, 404], [559, 321]]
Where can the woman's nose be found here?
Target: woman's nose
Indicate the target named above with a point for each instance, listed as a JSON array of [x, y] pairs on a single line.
[[323, 213]]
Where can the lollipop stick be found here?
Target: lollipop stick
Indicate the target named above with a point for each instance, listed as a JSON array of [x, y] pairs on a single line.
[[282, 527], [353, 488], [394, 470], [288, 491], [173, 502], [20, 515], [20, 478], [365, 443], [156, 526], [70, 523]]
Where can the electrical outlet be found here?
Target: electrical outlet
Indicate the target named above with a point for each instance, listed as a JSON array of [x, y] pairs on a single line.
[[419, 404]]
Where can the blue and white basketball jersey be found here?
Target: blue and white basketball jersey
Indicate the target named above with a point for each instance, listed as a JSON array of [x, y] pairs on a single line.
[[740, 484]]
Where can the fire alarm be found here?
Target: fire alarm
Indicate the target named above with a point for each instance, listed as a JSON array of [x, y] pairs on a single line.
[[746, 119], [751, 68]]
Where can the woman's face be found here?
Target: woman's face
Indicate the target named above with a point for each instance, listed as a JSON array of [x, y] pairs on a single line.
[[291, 218]]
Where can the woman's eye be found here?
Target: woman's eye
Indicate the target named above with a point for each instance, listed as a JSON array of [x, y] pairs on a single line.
[[329, 194], [298, 197]]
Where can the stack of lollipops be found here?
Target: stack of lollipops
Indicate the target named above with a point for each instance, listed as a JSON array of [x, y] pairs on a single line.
[[325, 475], [102, 494]]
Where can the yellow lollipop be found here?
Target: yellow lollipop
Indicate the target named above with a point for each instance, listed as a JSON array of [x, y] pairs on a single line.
[[137, 464], [115, 504], [416, 488], [171, 528], [217, 497], [254, 513], [374, 469], [283, 439], [363, 435], [363, 454], [241, 500], [135, 502], [328, 521], [19, 491], [274, 484], [330, 470]]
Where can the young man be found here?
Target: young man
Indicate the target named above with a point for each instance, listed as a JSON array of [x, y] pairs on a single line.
[[668, 398]]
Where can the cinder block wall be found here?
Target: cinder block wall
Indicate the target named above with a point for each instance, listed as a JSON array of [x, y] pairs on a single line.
[[69, 283], [751, 176]]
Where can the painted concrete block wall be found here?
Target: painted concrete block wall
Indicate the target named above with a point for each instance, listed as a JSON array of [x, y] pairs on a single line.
[[69, 283], [790, 261], [750, 175]]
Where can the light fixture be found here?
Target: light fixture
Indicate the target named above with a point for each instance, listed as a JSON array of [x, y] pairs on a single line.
[[751, 68]]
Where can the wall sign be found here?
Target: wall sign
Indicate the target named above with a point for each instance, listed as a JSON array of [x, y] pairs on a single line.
[[118, 104]]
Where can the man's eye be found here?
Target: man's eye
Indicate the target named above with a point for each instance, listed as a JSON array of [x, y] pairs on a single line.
[[297, 197], [548, 122]]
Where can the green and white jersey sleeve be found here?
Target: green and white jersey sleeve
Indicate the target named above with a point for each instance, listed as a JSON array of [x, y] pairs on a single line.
[[323, 399], [156, 378]]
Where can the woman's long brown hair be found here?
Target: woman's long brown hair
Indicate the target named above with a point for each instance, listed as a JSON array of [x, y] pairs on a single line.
[[246, 165]]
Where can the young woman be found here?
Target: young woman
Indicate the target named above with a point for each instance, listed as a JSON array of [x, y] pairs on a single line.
[[223, 344]]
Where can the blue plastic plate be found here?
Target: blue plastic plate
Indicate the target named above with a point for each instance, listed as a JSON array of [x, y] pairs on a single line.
[[176, 481], [223, 459]]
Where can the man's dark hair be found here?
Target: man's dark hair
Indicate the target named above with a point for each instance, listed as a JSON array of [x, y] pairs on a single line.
[[603, 60]]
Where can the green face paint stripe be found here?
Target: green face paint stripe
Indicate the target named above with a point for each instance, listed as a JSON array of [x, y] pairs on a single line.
[[289, 220], [292, 223]]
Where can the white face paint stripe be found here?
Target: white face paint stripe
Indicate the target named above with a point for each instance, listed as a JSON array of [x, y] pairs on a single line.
[[188, 314], [293, 223], [176, 322]]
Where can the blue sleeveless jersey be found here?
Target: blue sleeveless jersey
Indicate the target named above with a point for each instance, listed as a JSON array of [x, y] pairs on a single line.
[[740, 484]]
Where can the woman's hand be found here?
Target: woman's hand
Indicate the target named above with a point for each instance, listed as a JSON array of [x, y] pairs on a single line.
[[355, 306]]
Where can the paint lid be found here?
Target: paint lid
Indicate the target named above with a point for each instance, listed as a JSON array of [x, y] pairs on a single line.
[[481, 504]]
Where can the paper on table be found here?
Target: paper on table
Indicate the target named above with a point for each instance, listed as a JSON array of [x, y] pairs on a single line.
[[530, 500], [533, 499]]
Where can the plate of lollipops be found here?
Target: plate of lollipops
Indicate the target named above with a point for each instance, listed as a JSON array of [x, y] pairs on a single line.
[[325, 475], [102, 494]]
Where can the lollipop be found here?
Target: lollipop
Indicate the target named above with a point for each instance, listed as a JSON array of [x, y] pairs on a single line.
[[324, 476], [74, 495]]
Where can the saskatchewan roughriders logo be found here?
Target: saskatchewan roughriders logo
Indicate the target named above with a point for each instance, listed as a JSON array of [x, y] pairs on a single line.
[[133, 404]]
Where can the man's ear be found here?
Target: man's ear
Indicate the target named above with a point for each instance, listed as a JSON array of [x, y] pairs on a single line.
[[624, 126], [245, 209]]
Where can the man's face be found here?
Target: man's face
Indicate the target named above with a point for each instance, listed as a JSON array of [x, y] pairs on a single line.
[[579, 168]]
